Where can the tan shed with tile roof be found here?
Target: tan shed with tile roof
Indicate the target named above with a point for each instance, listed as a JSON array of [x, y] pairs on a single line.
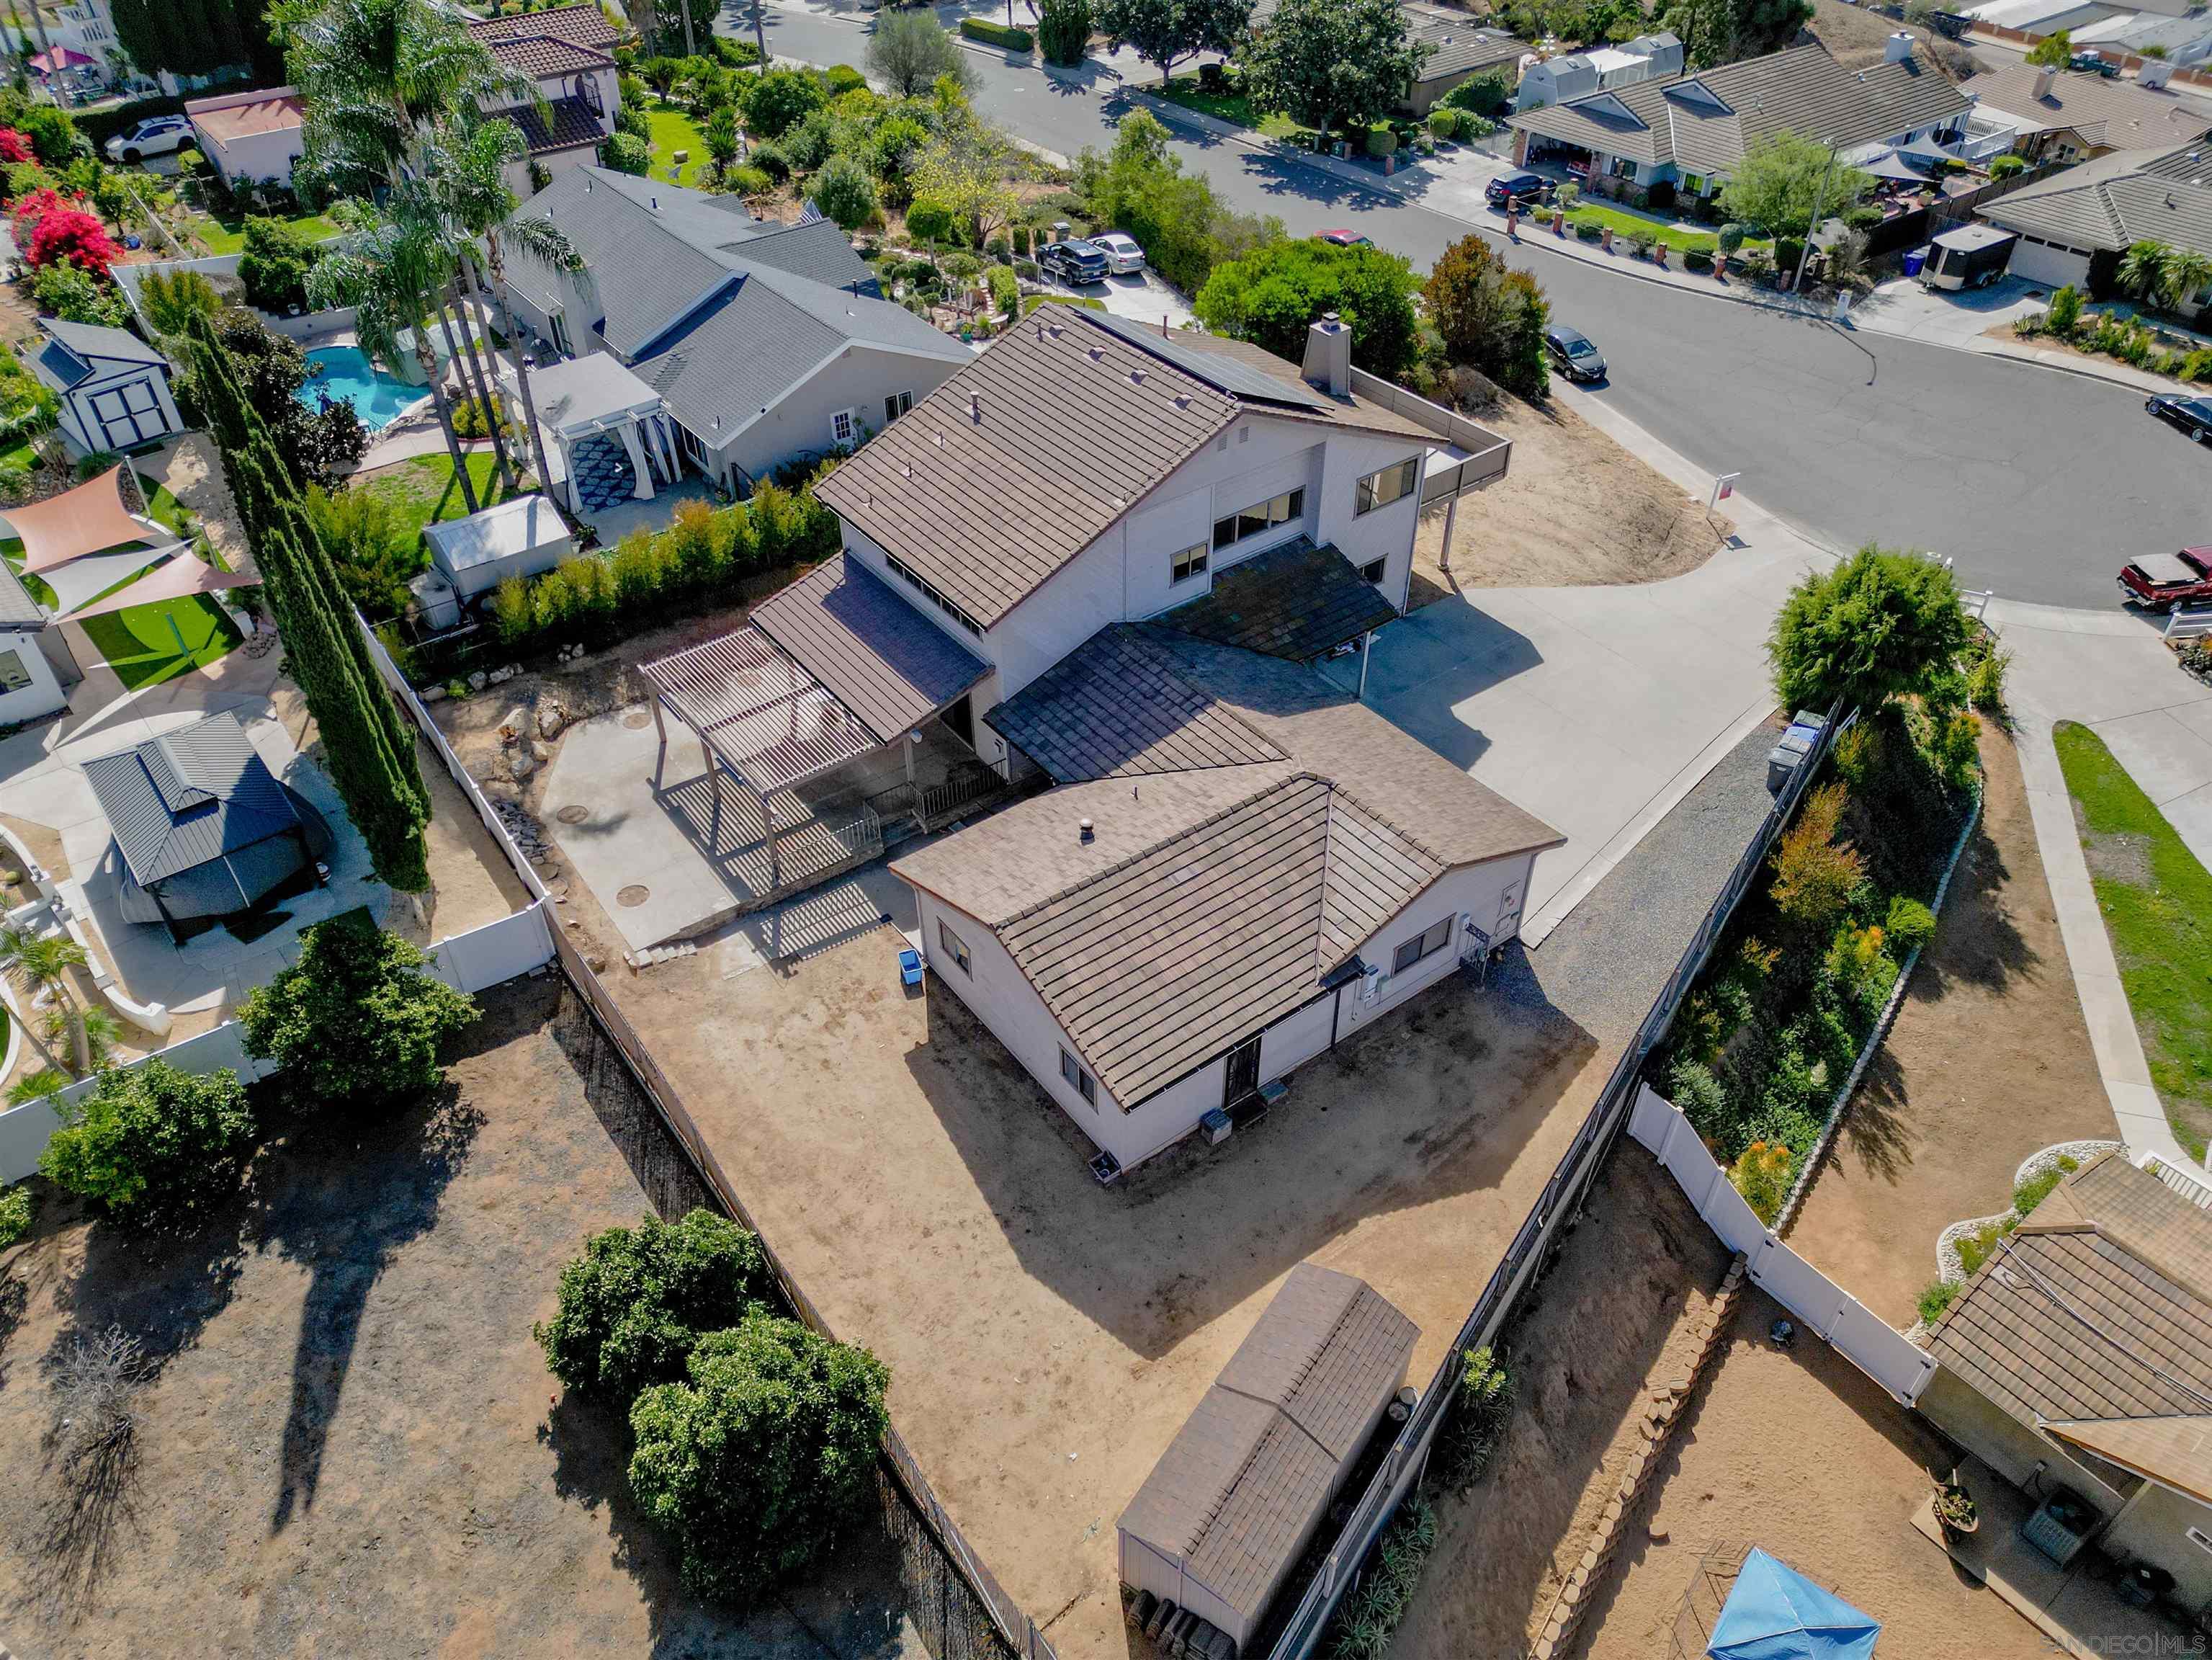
[[1231, 1503]]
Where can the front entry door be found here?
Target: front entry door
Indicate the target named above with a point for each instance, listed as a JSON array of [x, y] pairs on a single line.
[[1509, 910], [1244, 1073]]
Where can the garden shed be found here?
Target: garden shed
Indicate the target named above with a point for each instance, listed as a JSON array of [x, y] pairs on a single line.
[[518, 537], [1233, 1500]]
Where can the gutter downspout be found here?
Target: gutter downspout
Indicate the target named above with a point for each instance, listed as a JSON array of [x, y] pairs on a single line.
[[1367, 642]]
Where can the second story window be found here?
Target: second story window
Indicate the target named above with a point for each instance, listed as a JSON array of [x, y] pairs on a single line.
[[895, 405], [1380, 489], [1260, 517], [1190, 563]]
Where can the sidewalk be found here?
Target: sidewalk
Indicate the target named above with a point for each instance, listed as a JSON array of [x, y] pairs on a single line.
[[2109, 672]]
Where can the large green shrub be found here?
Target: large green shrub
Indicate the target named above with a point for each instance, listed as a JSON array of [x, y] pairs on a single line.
[[1274, 295], [273, 266], [15, 1215], [844, 192], [755, 1463], [626, 152], [632, 1307], [1486, 94], [356, 1022], [779, 100], [1881, 624], [997, 34], [153, 1144], [2065, 313], [1064, 31]]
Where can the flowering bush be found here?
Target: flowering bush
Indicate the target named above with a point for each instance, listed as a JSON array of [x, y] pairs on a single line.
[[51, 226], [14, 147], [1762, 1174]]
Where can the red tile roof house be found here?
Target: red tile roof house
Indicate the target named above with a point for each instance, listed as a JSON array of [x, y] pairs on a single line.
[[1129, 553], [567, 55]]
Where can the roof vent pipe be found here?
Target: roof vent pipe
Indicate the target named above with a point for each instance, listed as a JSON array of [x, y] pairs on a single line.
[[976, 408], [1328, 356], [1083, 832]]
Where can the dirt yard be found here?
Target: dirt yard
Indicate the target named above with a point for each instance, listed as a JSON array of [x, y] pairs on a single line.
[[1799, 1452], [1989, 1062], [1612, 1319], [1046, 1336], [1574, 510], [347, 1449]]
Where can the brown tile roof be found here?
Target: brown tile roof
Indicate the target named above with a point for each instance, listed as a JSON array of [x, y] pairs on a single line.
[[280, 110], [2115, 114], [565, 124], [2117, 200], [1017, 463], [2176, 1451], [2099, 1306], [1238, 1491], [1702, 122], [583, 24], [1296, 602], [885, 662]]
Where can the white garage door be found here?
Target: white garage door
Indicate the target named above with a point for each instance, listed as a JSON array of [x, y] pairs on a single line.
[[2049, 264]]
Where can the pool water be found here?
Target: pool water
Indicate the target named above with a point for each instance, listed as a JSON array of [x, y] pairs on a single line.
[[346, 373]]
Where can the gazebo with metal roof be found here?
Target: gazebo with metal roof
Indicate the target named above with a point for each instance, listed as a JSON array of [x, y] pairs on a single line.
[[834, 666]]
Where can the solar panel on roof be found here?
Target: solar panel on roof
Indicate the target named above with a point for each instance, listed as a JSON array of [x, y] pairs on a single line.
[[1228, 374]]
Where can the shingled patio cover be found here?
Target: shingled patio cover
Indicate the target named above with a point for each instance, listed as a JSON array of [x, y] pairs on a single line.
[[182, 577], [92, 516]]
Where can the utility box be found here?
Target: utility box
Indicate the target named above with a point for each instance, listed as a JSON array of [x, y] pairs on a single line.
[[1787, 756]]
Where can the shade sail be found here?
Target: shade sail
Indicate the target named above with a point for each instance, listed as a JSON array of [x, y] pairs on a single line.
[[83, 580], [61, 58], [1889, 165], [1775, 1613], [183, 576], [93, 516]]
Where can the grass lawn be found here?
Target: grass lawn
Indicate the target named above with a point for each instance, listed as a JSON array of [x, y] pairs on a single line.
[[424, 491], [1624, 224], [2157, 902], [229, 235], [140, 644], [1232, 107], [673, 130]]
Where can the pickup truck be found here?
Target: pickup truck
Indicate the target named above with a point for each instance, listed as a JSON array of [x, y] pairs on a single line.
[[2163, 581]]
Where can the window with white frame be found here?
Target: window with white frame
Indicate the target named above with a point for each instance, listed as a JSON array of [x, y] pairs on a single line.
[[895, 405], [1393, 484], [1084, 1084], [1260, 517], [844, 427], [1426, 943], [1190, 563], [14, 675], [1622, 167], [1373, 571], [954, 948]]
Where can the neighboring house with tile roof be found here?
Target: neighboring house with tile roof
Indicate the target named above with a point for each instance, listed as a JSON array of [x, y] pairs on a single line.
[[1690, 133], [2065, 115], [114, 388], [1237, 1495], [2102, 208], [767, 342], [249, 137], [567, 111], [2080, 1356]]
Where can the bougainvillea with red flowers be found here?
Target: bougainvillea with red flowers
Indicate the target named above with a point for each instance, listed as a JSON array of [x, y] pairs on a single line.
[[51, 226], [14, 147]]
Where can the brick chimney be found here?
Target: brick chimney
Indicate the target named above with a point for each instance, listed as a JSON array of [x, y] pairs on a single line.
[[1328, 356]]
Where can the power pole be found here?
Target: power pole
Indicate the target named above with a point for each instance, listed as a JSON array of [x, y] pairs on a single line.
[[760, 35], [690, 46], [1805, 248]]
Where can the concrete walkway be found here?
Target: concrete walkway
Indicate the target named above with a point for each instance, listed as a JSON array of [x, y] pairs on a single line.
[[2109, 672]]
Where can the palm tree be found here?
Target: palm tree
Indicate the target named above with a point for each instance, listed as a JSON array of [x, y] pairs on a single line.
[[473, 182], [43, 964], [2142, 268], [2184, 272], [394, 276]]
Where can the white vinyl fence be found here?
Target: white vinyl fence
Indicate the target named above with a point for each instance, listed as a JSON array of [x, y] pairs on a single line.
[[1821, 1306], [471, 962]]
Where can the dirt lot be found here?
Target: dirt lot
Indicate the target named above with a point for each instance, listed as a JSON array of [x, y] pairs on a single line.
[[1989, 1062], [1046, 1336], [347, 1449], [1799, 1452], [1574, 510], [1612, 1319]]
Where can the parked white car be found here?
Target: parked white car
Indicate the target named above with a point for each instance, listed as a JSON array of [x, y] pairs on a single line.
[[1123, 256], [163, 135]]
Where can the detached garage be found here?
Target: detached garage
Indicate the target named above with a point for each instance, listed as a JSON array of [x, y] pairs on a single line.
[[1234, 1501], [114, 387]]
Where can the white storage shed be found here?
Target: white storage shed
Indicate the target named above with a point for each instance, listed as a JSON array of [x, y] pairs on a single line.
[[519, 538]]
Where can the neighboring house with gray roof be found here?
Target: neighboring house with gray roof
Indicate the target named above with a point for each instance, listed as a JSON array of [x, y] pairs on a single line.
[[2105, 206], [2067, 115], [114, 387], [769, 343], [1690, 133], [1235, 1499], [2080, 1356]]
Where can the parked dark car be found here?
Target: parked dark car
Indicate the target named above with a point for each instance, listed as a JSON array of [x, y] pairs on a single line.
[[1572, 353], [2164, 580], [1517, 190], [2193, 415], [2091, 62], [1074, 262]]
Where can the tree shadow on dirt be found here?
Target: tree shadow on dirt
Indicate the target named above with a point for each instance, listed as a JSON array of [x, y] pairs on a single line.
[[1975, 943], [1876, 1120]]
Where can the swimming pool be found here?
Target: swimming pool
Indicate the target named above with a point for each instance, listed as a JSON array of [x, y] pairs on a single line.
[[346, 373]]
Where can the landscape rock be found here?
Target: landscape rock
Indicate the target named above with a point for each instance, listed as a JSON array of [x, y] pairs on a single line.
[[479, 680], [551, 717], [431, 694], [539, 752], [502, 674], [519, 764]]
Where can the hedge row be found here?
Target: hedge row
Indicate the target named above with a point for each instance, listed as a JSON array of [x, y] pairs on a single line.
[[597, 596], [997, 34]]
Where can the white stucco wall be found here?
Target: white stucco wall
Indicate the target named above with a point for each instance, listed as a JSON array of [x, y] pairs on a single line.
[[860, 380], [44, 696], [1475, 893], [255, 155]]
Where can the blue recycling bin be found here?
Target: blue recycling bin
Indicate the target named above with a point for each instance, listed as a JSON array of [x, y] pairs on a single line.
[[1914, 260]]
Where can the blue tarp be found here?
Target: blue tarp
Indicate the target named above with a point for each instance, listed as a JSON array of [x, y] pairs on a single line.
[[1775, 1613]]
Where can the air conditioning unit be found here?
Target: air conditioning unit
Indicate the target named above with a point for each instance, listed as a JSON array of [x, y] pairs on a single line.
[[1215, 1124]]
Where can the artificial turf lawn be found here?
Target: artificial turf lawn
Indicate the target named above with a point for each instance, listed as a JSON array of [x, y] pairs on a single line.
[[141, 648], [2157, 903]]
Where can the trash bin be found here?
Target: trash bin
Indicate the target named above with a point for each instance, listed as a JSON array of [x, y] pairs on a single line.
[[1914, 260]]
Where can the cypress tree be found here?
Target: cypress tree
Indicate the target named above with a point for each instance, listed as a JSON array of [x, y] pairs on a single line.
[[370, 749]]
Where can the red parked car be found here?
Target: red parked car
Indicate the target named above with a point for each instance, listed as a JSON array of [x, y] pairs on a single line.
[[2164, 580]]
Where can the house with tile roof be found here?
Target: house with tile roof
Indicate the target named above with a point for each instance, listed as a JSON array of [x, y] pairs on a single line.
[[2079, 1357], [2066, 115], [2087, 216], [1689, 133], [763, 342], [567, 109]]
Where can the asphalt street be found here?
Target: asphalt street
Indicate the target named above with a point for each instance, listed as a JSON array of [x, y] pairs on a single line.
[[2036, 482]]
